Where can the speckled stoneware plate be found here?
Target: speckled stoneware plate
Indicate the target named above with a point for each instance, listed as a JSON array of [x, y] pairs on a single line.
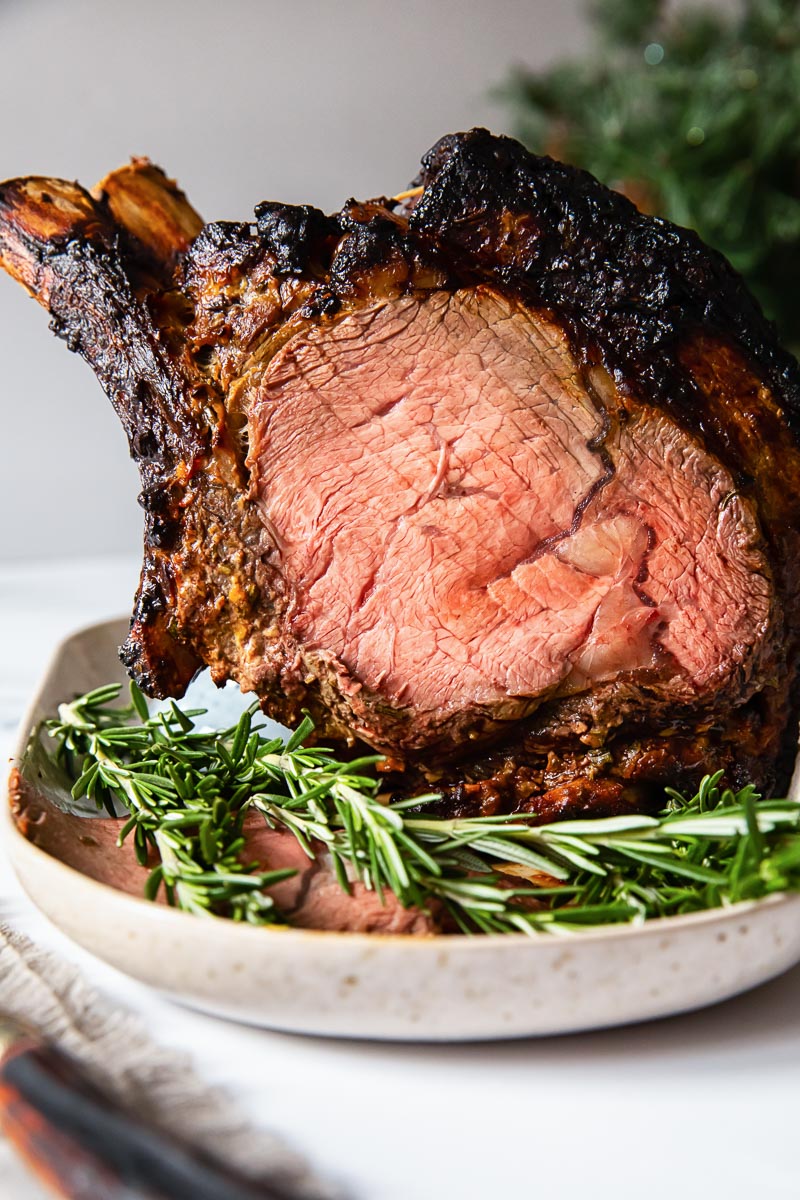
[[451, 988]]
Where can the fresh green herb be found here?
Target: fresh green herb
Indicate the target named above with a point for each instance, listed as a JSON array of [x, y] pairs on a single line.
[[695, 114], [186, 792]]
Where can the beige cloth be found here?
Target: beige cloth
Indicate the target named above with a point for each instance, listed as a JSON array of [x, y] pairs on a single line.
[[49, 994]]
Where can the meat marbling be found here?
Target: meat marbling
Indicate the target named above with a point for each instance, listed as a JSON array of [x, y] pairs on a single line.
[[460, 526], [501, 478]]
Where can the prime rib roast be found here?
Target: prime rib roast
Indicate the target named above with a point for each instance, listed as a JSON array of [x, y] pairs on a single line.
[[499, 476]]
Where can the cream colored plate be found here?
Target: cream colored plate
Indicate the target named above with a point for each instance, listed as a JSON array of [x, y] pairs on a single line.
[[374, 986]]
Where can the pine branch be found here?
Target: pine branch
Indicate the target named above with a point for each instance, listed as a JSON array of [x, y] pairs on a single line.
[[696, 116]]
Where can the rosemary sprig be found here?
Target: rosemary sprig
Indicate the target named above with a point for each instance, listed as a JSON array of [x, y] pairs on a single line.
[[186, 793]]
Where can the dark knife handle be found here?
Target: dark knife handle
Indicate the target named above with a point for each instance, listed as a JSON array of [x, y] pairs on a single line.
[[85, 1146]]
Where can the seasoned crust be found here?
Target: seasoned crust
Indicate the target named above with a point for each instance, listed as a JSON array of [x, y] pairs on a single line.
[[631, 286]]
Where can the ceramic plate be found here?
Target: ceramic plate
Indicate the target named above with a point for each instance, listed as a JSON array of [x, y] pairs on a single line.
[[451, 988]]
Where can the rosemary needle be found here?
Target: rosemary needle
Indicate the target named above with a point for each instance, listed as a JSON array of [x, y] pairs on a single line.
[[186, 793]]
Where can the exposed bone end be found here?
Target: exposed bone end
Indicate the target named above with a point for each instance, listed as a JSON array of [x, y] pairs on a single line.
[[151, 207], [34, 213], [64, 246]]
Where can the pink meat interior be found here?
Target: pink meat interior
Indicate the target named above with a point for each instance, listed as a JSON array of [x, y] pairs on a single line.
[[459, 523]]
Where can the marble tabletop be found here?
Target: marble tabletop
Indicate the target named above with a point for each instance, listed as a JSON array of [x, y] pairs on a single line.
[[698, 1106]]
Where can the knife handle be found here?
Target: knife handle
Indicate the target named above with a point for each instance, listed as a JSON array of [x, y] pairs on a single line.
[[85, 1146]]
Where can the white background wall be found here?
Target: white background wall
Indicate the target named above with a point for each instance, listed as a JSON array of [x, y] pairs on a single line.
[[298, 100]]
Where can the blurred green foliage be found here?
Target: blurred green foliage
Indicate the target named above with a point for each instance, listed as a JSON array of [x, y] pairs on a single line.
[[695, 115]]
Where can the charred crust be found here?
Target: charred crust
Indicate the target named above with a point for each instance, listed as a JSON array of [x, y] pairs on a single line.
[[162, 528], [155, 656], [95, 311], [222, 247], [161, 531], [628, 285], [321, 303], [296, 235]]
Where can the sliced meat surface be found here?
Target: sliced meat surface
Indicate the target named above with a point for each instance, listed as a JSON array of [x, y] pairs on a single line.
[[461, 522]]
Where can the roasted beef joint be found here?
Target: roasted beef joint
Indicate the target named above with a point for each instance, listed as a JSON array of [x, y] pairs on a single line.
[[500, 476]]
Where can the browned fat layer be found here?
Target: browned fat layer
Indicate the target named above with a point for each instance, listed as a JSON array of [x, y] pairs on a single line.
[[460, 523]]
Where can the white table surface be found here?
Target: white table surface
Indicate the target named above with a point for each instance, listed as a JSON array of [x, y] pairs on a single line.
[[704, 1105]]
